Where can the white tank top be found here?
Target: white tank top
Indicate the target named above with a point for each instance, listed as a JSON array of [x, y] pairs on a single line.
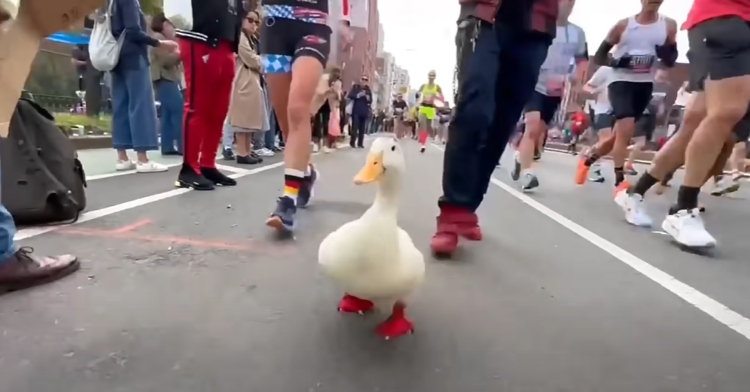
[[640, 41]]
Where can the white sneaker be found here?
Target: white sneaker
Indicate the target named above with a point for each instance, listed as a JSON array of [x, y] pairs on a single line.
[[124, 165], [150, 167], [264, 152], [726, 185], [635, 211], [315, 148], [687, 228], [326, 150]]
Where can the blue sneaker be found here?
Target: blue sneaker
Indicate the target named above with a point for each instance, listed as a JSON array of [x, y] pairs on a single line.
[[306, 190], [282, 219]]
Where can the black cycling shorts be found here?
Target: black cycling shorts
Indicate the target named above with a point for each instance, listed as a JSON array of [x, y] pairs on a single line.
[[289, 32], [545, 105], [742, 129], [645, 126], [720, 48], [629, 99], [603, 121]]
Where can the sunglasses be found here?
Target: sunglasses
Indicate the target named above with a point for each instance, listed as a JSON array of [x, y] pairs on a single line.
[[253, 21]]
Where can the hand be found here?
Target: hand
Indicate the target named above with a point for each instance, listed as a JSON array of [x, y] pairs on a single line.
[[345, 33], [168, 45], [622, 62]]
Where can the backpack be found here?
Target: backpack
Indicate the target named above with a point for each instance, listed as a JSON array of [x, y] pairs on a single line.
[[42, 179], [104, 49]]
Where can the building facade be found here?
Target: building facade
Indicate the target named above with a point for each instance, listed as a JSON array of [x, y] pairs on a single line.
[[361, 58]]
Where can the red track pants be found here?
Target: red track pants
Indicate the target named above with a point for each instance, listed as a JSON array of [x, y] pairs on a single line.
[[209, 73]]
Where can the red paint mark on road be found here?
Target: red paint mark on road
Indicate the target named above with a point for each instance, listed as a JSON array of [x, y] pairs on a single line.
[[131, 227], [250, 245]]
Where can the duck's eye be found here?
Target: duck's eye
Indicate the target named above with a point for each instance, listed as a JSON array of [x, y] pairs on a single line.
[[393, 148]]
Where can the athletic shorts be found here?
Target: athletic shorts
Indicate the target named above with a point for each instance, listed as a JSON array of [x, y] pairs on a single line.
[[290, 32], [742, 129], [720, 48], [645, 127], [629, 99], [545, 105], [603, 121]]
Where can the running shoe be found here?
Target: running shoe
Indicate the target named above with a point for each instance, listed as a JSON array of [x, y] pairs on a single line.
[[596, 176], [529, 182], [515, 174], [687, 228], [582, 171], [282, 219], [725, 186], [622, 187], [632, 205], [306, 191]]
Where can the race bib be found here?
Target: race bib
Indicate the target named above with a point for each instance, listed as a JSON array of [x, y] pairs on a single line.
[[642, 63], [556, 85]]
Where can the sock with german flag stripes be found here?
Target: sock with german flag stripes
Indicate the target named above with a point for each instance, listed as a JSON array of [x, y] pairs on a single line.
[[292, 182]]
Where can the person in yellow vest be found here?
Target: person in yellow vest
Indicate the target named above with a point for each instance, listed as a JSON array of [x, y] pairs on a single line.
[[431, 95]]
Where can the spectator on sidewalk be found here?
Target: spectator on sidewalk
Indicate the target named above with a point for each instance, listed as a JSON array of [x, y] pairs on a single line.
[[133, 109], [208, 57], [361, 97], [166, 74], [19, 268], [246, 110]]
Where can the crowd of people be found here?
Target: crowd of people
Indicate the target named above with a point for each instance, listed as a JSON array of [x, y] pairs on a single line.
[[637, 52], [226, 77]]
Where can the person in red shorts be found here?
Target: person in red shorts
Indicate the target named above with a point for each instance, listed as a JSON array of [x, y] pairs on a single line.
[[207, 52]]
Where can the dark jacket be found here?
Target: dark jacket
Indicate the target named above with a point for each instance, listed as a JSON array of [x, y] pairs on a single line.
[[361, 105], [211, 20], [128, 19], [533, 15]]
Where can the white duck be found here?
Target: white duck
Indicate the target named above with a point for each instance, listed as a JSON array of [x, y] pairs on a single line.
[[373, 259]]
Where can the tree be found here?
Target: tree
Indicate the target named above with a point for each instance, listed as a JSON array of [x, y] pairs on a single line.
[[152, 7]]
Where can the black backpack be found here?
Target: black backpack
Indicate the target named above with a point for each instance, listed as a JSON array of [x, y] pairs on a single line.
[[42, 179]]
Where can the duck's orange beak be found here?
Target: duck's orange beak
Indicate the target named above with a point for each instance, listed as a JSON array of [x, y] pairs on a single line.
[[372, 170]]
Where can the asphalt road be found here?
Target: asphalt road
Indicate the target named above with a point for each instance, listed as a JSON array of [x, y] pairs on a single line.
[[186, 292]]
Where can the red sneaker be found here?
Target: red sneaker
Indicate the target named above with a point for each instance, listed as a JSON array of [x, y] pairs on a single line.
[[451, 223]]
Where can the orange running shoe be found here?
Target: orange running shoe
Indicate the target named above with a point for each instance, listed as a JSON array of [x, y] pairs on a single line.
[[582, 172], [623, 186]]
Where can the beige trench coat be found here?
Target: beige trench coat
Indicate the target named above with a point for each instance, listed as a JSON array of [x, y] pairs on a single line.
[[246, 104]]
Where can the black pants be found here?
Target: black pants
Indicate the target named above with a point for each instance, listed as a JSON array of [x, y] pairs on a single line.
[[359, 127], [320, 124], [497, 70]]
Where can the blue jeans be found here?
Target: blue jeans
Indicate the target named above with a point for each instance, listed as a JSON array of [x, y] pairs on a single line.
[[269, 138], [7, 232], [170, 96], [133, 110], [496, 80], [227, 138]]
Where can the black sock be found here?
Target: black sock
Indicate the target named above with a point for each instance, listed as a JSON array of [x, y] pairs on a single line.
[[687, 199], [591, 159], [645, 182], [619, 175], [667, 178]]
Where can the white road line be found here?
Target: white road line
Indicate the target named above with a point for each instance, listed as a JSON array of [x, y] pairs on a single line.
[[120, 173], [95, 177], [232, 169], [706, 304], [96, 214]]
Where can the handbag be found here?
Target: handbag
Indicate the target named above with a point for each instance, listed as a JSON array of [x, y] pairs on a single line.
[[104, 48], [179, 13]]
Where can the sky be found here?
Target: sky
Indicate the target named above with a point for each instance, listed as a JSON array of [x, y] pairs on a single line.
[[420, 33]]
